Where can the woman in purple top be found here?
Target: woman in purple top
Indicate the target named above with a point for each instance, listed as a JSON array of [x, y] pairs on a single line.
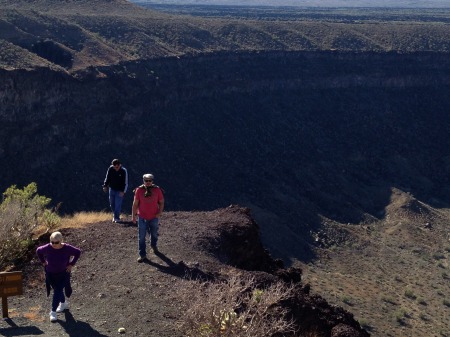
[[58, 259]]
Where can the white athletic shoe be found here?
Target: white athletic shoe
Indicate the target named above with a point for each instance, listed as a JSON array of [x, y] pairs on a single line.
[[53, 317], [62, 306]]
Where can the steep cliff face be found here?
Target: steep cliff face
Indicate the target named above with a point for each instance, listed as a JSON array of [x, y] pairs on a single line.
[[291, 135]]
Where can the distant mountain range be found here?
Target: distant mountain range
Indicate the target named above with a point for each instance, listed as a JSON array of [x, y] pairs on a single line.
[[309, 3]]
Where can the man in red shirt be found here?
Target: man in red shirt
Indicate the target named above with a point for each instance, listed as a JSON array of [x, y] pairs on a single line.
[[148, 205]]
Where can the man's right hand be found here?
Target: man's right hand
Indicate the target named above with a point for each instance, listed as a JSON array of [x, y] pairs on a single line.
[[105, 189]]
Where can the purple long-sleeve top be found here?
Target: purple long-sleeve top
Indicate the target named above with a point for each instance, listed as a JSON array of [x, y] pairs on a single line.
[[57, 260]]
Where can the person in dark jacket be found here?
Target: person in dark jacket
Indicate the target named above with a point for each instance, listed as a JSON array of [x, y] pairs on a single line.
[[58, 259], [116, 181]]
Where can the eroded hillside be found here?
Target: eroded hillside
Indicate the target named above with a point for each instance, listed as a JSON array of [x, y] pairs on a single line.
[[73, 35]]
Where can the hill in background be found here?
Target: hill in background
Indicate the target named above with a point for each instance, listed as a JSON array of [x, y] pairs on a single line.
[[73, 35]]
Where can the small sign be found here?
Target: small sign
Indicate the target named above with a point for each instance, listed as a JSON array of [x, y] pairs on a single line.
[[10, 285]]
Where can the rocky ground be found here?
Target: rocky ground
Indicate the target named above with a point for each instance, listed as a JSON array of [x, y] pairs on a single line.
[[112, 290]]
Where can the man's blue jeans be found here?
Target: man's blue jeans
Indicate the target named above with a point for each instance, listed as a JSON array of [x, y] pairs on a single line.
[[150, 227], [115, 201]]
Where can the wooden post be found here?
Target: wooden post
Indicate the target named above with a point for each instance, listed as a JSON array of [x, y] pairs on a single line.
[[5, 306], [10, 285]]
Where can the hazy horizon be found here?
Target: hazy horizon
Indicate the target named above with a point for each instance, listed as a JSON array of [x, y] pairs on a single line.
[[309, 3]]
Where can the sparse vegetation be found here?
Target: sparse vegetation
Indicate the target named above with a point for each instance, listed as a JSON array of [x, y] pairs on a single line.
[[410, 294], [62, 40], [400, 316], [441, 265], [347, 300], [389, 300], [424, 317], [365, 324], [438, 256], [398, 278], [235, 307], [421, 301]]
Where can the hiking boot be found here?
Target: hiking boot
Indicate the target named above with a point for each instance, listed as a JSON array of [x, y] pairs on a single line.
[[53, 317], [141, 259], [62, 306]]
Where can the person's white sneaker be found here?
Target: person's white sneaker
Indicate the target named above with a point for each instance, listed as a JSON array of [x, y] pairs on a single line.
[[53, 317], [62, 306]]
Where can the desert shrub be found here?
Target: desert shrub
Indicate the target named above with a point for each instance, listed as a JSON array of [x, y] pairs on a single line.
[[235, 307], [398, 279], [424, 317], [422, 301], [400, 316], [438, 256], [389, 299], [365, 324], [410, 294], [347, 300], [21, 211]]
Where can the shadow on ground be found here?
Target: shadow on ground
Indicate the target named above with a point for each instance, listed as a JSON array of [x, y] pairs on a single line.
[[76, 328], [15, 330]]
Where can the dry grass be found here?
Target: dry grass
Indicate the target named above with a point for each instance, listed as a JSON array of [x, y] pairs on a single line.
[[76, 220], [82, 219], [235, 307]]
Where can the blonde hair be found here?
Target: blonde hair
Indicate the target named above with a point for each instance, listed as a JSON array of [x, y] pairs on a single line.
[[56, 236]]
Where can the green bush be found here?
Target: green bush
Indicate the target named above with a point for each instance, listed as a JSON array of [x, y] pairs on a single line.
[[21, 212]]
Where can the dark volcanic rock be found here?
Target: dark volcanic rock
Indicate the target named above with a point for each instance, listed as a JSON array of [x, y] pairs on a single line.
[[342, 330], [290, 135], [112, 290]]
